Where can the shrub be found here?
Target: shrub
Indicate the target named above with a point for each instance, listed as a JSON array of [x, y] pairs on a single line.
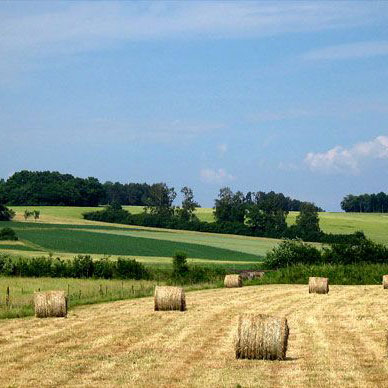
[[131, 269], [291, 252], [83, 266], [6, 214], [8, 234], [103, 268], [347, 274], [179, 264], [365, 251]]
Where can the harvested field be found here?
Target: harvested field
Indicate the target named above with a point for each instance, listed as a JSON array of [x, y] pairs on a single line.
[[335, 340]]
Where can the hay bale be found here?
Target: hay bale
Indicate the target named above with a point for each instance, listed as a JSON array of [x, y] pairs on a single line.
[[261, 337], [169, 298], [385, 281], [233, 281], [50, 304], [318, 285]]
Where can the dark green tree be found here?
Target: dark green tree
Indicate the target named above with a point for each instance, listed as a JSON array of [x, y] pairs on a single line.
[[307, 221], [186, 212], [230, 207], [160, 200], [6, 214]]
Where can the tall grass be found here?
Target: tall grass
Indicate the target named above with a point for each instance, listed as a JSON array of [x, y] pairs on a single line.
[[350, 274], [19, 303]]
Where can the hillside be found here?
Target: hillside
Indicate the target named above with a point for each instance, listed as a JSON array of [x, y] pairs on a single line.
[[331, 343]]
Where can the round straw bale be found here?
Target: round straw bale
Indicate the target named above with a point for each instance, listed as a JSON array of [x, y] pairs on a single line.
[[50, 304], [169, 298], [261, 337], [385, 281], [233, 281], [318, 285]]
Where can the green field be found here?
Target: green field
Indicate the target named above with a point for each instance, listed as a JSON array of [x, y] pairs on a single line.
[[134, 242], [374, 225]]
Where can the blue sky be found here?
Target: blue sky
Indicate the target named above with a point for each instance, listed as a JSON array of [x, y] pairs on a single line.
[[283, 96]]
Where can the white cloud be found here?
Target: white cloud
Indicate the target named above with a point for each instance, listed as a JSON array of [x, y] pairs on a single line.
[[219, 176], [348, 51], [343, 160]]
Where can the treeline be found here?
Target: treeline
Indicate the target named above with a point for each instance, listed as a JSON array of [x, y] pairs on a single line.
[[50, 188], [47, 188], [366, 203], [259, 214]]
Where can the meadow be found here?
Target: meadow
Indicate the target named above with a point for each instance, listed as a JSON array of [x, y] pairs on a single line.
[[335, 340], [375, 225], [16, 293]]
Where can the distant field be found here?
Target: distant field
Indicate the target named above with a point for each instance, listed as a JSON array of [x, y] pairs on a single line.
[[336, 340], [134, 242], [374, 225]]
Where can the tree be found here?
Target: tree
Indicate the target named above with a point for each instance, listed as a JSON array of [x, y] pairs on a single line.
[[267, 214], [179, 264], [186, 213], [307, 221], [27, 214], [160, 200], [230, 207], [36, 214], [6, 214]]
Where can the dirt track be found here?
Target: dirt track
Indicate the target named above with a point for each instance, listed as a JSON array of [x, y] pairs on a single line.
[[335, 340]]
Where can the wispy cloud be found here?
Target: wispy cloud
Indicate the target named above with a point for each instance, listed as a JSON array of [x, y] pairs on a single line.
[[219, 176], [348, 160], [348, 51], [85, 26], [108, 130]]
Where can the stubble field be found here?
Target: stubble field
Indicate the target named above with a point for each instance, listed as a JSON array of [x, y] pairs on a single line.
[[335, 340]]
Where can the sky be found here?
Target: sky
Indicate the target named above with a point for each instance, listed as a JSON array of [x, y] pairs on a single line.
[[258, 96]]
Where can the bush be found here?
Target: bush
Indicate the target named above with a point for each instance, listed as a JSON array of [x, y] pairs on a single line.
[[291, 252], [83, 266], [6, 214], [104, 268], [179, 265], [131, 269], [347, 274], [363, 251], [8, 234]]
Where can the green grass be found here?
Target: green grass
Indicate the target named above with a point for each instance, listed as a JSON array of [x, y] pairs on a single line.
[[350, 274], [17, 247], [374, 225], [79, 291], [65, 238]]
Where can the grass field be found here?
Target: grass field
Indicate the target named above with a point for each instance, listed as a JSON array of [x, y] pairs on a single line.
[[335, 340], [79, 291], [374, 225], [126, 242]]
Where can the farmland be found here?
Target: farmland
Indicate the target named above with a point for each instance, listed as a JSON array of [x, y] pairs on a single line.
[[335, 340], [374, 225]]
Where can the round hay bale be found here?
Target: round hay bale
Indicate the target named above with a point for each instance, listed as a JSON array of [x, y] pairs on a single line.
[[385, 281], [261, 337], [169, 298], [318, 285], [233, 281], [50, 304]]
